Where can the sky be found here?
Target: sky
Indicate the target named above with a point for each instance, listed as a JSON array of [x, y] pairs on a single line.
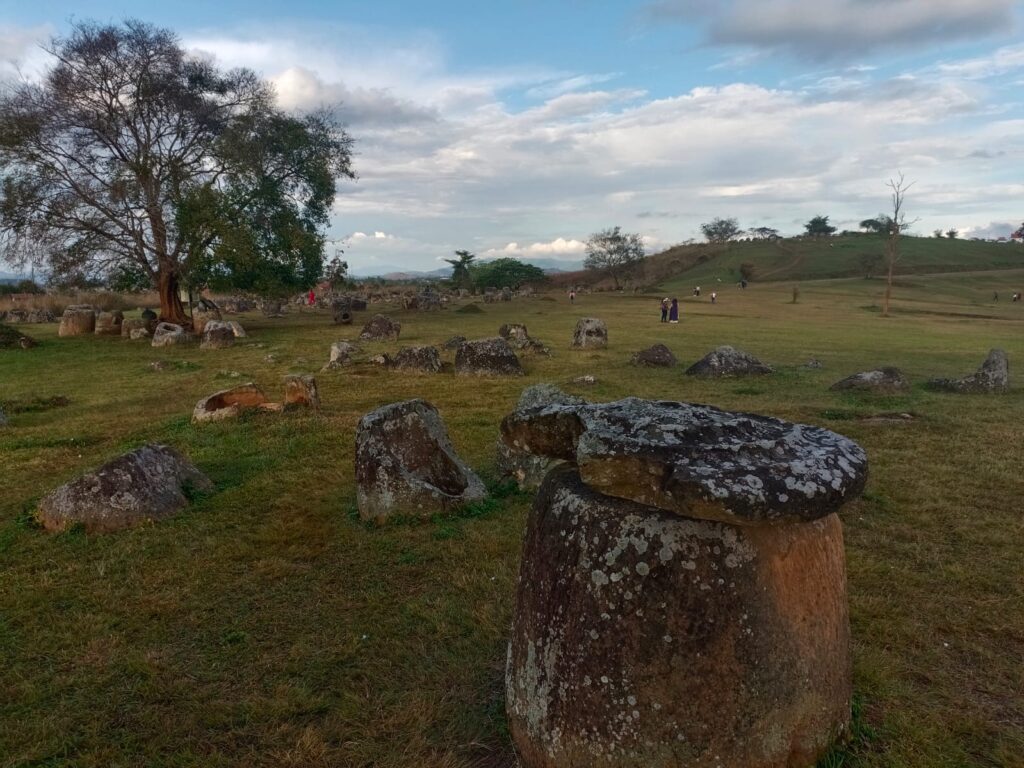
[[520, 128]]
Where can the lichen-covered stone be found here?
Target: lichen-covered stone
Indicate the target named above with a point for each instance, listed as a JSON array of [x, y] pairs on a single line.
[[381, 328], [641, 638], [590, 333], [487, 357], [341, 355], [406, 465], [229, 403], [993, 377], [204, 312], [695, 460], [217, 335], [515, 334], [529, 469], [657, 356], [77, 320], [148, 484], [168, 334], [886, 381], [237, 328], [417, 359], [727, 361], [454, 342], [130, 324], [109, 323], [301, 391]]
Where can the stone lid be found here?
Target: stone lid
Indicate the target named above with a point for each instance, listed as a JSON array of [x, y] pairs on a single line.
[[696, 460]]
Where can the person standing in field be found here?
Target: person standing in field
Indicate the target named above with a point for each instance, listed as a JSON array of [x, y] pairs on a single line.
[[312, 297], [714, 297], [673, 312], [664, 310], [572, 296]]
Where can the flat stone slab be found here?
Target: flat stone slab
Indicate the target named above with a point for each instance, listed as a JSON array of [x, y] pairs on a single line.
[[529, 469], [148, 484], [886, 381], [695, 460]]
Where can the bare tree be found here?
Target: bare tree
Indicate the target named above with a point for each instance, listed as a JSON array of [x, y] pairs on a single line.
[[897, 223]]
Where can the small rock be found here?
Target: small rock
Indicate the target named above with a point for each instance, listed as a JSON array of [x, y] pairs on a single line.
[[301, 391], [405, 464], [515, 334], [421, 359], [487, 357], [993, 377], [160, 365], [586, 381], [882, 381], [147, 485], [658, 356], [381, 328], [383, 359], [814, 364], [590, 333], [727, 361], [237, 328], [341, 355], [217, 335], [168, 334], [137, 324]]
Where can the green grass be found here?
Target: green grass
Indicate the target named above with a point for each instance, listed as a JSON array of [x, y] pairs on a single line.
[[268, 626], [796, 259]]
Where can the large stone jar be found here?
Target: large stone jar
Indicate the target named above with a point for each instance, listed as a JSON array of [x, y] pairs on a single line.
[[682, 592]]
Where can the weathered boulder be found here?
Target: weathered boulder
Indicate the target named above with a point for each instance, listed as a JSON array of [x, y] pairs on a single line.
[[422, 359], [381, 328], [515, 334], [455, 342], [217, 335], [644, 638], [168, 334], [342, 317], [696, 460], [590, 333], [406, 465], [202, 313], [137, 324], [271, 307], [658, 356], [506, 294], [487, 357], [11, 338], [229, 403], [301, 391], [135, 334], [529, 469], [886, 381], [147, 485], [993, 377], [341, 355], [77, 320], [237, 329], [587, 380], [109, 323], [725, 362], [428, 301], [28, 315]]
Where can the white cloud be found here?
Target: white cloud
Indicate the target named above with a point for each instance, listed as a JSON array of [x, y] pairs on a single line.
[[559, 247], [1000, 62]]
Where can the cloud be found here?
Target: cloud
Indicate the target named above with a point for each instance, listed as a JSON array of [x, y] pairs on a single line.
[[559, 247], [833, 29], [21, 54], [991, 231], [1000, 62]]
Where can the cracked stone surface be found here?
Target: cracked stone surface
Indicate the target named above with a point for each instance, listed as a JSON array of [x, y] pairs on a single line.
[[641, 638], [883, 381], [168, 334], [424, 359], [406, 465], [149, 484], [695, 460], [728, 361], [217, 335], [487, 357], [529, 469], [993, 377], [301, 391], [77, 320], [590, 333], [381, 328]]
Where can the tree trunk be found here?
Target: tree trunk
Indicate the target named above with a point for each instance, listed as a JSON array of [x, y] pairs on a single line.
[[171, 308], [888, 288]]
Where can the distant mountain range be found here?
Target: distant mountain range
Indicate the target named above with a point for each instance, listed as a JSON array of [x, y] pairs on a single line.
[[392, 272]]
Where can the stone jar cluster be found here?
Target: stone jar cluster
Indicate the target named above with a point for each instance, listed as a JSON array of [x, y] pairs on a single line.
[[682, 592]]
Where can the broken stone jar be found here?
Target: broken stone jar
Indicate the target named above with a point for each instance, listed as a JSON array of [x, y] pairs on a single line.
[[682, 591]]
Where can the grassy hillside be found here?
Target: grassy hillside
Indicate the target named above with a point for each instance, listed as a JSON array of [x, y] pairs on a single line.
[[800, 259]]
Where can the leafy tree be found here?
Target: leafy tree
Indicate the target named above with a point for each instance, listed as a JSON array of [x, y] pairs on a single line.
[[128, 278], [720, 230], [877, 225], [764, 233], [336, 273], [503, 272], [819, 227], [938, 233], [614, 252], [130, 151], [460, 269], [952, 234], [1019, 234]]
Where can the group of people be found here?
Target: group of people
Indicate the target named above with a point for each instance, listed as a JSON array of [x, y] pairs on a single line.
[[670, 307]]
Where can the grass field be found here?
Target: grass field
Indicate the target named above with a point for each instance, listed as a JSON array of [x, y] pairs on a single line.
[[267, 626]]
